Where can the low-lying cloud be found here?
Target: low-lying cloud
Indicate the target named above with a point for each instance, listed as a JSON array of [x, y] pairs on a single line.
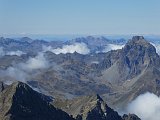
[[15, 73], [80, 48], [146, 106], [2, 53], [23, 71], [38, 62], [110, 47], [157, 46], [17, 52]]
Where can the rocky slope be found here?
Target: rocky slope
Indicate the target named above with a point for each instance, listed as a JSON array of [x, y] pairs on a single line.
[[118, 75], [91, 108], [122, 74], [136, 56], [19, 102], [138, 67]]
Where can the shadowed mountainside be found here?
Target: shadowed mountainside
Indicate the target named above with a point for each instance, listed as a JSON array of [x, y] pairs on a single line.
[[19, 102]]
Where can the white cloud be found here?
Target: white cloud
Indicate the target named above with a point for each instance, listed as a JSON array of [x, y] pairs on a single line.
[[80, 48], [38, 62], [157, 46], [2, 53], [95, 62], [146, 106], [110, 47], [23, 71], [16, 73], [18, 52]]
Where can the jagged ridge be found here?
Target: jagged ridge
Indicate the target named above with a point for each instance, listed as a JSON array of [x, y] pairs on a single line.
[[20, 102]]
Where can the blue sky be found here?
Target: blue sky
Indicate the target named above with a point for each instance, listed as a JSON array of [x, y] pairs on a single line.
[[79, 17]]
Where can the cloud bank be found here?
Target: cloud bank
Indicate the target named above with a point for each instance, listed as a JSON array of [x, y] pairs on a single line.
[[157, 46], [23, 71], [80, 48], [38, 62], [146, 106], [110, 47], [15, 73], [18, 52]]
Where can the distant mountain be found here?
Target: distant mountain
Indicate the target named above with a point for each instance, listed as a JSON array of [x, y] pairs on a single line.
[[26, 39], [90, 40], [97, 44], [26, 44]]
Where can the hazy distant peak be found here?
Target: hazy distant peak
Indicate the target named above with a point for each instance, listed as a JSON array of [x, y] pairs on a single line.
[[2, 38], [26, 39], [137, 38]]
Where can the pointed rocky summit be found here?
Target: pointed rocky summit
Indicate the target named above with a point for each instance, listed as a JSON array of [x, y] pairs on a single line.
[[20, 102]]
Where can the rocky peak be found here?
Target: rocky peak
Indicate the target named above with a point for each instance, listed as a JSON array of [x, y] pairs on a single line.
[[20, 86], [20, 102], [139, 48], [26, 39], [137, 55], [90, 37], [130, 117], [92, 108], [136, 38], [139, 43], [101, 111], [99, 98]]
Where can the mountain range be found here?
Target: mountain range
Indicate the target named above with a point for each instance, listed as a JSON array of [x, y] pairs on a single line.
[[18, 101], [70, 73]]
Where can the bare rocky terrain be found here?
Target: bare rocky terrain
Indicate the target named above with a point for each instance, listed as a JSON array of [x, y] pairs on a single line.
[[71, 80], [18, 101]]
